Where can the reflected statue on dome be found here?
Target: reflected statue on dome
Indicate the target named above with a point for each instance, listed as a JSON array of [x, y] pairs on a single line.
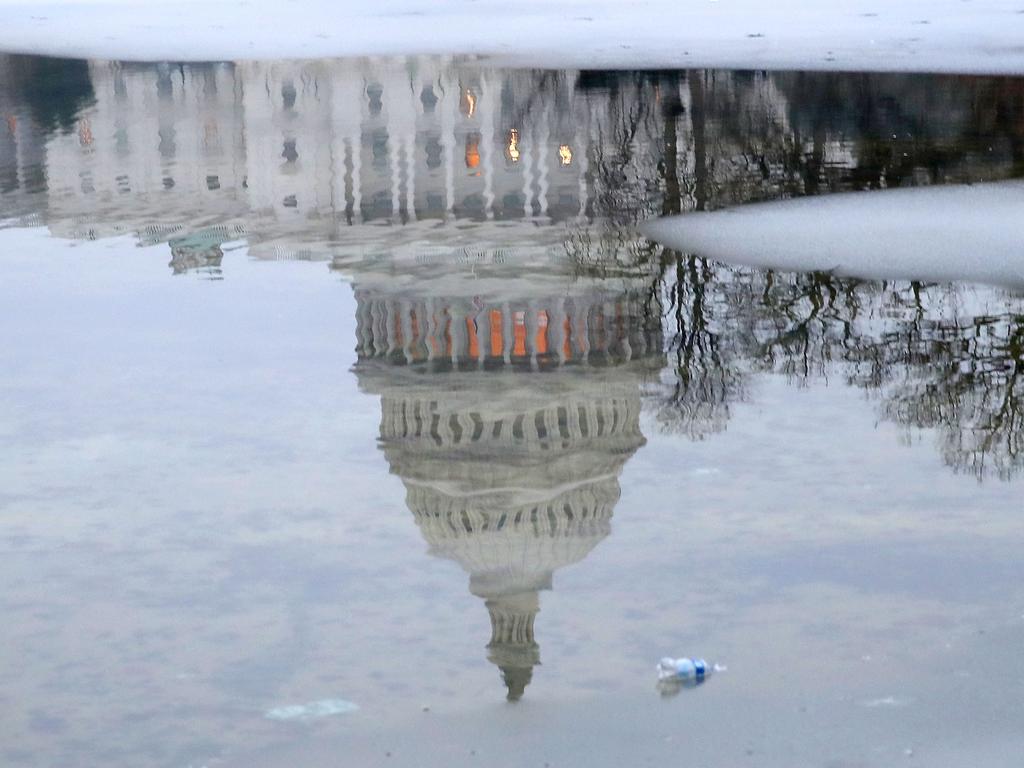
[[198, 252]]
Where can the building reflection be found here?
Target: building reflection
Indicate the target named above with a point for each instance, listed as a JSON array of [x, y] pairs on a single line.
[[373, 165], [509, 416], [297, 152], [299, 155]]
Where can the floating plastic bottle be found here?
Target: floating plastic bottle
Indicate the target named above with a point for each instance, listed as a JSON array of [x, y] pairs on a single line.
[[676, 674]]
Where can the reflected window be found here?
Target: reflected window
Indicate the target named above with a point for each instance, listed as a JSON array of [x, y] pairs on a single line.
[[540, 343], [497, 340], [121, 141], [8, 179], [164, 87], [86, 181], [167, 146], [428, 99], [565, 154], [514, 201], [289, 153], [467, 104], [84, 132], [512, 148], [211, 133], [433, 151], [473, 150], [373, 95], [519, 333], [435, 204], [471, 205], [288, 95], [209, 85], [379, 147]]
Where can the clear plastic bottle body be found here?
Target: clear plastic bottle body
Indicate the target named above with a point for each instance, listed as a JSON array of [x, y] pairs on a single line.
[[683, 669], [676, 674]]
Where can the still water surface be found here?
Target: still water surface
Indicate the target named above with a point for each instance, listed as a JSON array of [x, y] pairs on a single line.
[[355, 380]]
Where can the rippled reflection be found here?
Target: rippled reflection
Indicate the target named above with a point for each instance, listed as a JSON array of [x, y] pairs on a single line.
[[109, 148], [508, 417], [487, 218], [944, 357]]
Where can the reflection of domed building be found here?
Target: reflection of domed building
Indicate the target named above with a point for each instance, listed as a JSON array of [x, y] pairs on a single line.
[[509, 422], [300, 154]]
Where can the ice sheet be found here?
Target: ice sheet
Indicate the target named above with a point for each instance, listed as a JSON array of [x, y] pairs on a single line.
[[912, 35], [971, 233]]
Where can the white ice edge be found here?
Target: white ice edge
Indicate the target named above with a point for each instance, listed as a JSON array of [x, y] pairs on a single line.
[[935, 234], [985, 36]]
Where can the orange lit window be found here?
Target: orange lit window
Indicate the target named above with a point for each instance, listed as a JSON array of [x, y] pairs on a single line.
[[565, 154], [474, 344], [432, 341], [473, 150], [399, 336], [519, 333], [541, 342], [497, 342], [468, 105]]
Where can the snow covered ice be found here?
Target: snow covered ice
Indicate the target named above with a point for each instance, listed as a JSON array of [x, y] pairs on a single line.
[[972, 233], [843, 35]]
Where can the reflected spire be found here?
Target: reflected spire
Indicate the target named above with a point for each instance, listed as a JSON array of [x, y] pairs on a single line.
[[508, 433], [513, 649]]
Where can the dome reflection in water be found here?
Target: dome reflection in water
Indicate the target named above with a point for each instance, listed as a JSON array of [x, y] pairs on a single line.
[[508, 417]]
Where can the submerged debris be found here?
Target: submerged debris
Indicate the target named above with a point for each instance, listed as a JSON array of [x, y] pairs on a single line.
[[887, 701], [312, 710], [676, 674]]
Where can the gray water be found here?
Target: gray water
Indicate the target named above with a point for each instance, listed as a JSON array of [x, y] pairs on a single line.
[[354, 380]]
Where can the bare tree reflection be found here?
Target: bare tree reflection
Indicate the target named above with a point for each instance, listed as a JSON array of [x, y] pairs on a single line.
[[931, 361], [959, 376], [704, 376]]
